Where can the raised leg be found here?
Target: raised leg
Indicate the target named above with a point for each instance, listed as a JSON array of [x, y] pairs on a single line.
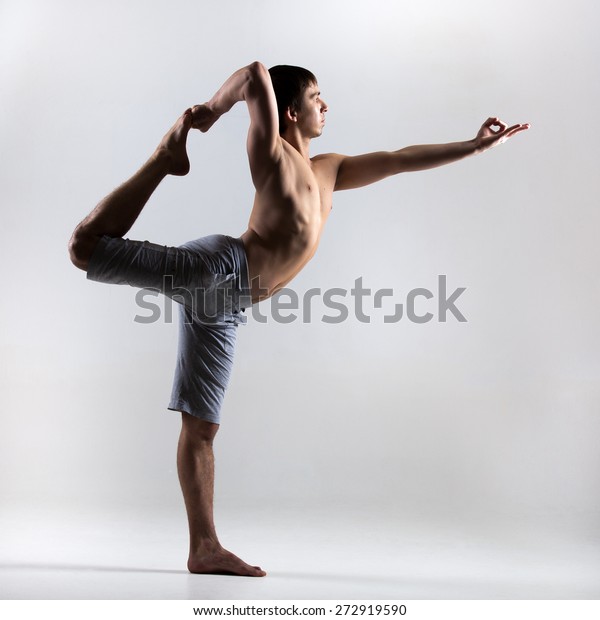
[[196, 468], [115, 215]]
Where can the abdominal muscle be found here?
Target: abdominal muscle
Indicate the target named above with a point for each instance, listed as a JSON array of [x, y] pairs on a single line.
[[276, 255]]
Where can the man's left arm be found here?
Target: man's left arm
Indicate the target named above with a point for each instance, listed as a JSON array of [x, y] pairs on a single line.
[[363, 170]]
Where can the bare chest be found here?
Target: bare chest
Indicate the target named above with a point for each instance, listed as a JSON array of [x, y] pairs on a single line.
[[313, 186]]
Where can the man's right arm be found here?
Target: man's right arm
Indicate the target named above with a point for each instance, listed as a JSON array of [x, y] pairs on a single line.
[[363, 170], [251, 84]]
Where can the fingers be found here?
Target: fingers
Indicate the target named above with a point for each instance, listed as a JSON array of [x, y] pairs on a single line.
[[199, 119], [502, 125], [203, 117], [511, 131], [501, 130], [494, 132], [493, 122]]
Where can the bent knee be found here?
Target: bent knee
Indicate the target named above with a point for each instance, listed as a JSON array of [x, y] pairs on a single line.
[[81, 248], [197, 429]]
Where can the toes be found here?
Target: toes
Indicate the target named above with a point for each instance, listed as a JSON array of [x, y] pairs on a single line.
[[249, 571], [187, 119]]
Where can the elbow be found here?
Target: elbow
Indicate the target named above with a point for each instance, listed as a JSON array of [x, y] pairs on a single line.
[[257, 76], [256, 69]]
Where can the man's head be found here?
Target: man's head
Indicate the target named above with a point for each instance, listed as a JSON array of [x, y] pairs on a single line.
[[290, 85]]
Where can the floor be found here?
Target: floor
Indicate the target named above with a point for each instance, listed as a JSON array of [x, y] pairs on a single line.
[[343, 554]]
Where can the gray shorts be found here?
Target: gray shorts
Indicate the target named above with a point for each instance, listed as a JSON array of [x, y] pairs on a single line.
[[208, 277]]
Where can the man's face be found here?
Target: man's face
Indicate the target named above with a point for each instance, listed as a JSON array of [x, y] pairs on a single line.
[[311, 115]]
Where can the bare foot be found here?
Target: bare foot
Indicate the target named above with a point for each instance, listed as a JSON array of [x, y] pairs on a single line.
[[173, 145], [222, 562]]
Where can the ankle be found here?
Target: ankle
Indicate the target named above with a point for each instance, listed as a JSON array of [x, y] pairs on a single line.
[[161, 160], [207, 544]]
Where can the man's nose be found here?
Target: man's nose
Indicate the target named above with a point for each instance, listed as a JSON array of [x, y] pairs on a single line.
[[324, 107]]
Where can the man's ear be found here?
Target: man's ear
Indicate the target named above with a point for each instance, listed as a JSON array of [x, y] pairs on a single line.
[[291, 114]]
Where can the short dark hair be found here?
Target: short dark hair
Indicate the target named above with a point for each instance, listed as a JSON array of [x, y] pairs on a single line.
[[289, 84]]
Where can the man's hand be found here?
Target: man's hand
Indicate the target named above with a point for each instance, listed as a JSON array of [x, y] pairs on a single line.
[[204, 117], [494, 132]]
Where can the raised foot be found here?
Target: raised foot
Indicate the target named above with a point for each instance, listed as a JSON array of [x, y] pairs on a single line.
[[173, 146], [222, 562]]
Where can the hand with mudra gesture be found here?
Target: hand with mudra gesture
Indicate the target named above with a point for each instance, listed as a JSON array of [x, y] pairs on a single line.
[[494, 132]]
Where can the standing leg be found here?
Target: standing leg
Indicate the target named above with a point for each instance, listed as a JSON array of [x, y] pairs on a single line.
[[196, 468], [115, 215]]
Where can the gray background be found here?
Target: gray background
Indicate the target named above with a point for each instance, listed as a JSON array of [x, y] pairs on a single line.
[[496, 417]]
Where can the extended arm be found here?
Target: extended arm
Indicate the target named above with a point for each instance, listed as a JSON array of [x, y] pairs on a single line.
[[251, 84], [362, 170]]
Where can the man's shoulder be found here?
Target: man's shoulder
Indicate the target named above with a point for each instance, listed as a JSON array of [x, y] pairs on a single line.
[[326, 167], [327, 159], [324, 156]]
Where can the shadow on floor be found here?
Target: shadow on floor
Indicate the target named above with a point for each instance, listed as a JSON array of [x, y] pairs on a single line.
[[81, 567]]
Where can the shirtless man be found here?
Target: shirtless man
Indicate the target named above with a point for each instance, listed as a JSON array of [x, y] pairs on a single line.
[[292, 203]]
